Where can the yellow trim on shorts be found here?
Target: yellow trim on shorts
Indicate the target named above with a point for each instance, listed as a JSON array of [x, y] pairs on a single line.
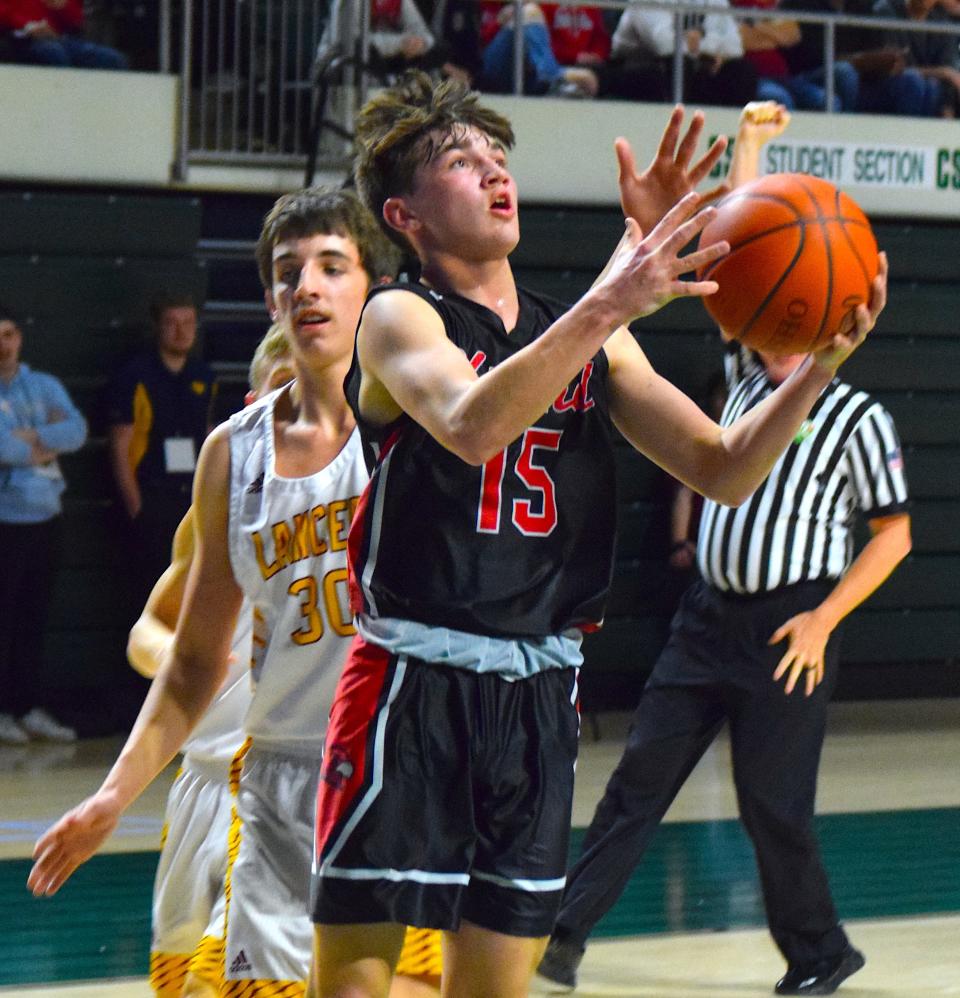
[[208, 960], [421, 955], [168, 973], [236, 765], [165, 830], [263, 989]]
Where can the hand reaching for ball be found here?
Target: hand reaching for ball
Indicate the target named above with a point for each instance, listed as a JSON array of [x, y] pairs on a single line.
[[858, 324], [802, 257]]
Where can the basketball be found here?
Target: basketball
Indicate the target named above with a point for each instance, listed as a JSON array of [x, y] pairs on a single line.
[[802, 257]]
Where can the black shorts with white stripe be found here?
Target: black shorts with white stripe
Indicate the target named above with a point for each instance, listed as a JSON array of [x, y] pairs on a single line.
[[445, 795]]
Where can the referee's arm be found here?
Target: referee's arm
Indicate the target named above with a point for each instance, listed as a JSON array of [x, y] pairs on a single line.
[[808, 633]]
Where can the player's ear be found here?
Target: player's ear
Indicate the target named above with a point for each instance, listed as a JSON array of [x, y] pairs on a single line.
[[271, 305], [398, 215]]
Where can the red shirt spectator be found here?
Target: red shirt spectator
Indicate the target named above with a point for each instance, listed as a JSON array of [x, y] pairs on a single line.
[[489, 21], [63, 16], [768, 62], [576, 32], [386, 13]]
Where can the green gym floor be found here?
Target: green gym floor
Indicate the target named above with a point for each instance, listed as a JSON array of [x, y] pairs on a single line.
[[690, 923]]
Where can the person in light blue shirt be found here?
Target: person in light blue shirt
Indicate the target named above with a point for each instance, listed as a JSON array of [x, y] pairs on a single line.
[[38, 422]]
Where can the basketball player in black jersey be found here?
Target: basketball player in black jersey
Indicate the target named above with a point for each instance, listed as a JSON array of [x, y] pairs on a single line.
[[482, 548]]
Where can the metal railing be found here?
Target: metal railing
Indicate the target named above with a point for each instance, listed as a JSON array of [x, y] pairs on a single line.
[[246, 84], [251, 70]]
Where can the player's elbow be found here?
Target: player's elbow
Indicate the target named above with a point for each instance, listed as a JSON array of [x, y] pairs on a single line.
[[147, 644], [906, 541], [728, 487], [138, 655], [470, 439], [471, 449], [730, 495], [724, 484]]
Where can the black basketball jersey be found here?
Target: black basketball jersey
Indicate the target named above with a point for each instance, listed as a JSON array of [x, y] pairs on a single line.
[[521, 547]]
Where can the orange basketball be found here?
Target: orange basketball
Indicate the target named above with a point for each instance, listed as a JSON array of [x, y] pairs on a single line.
[[802, 257]]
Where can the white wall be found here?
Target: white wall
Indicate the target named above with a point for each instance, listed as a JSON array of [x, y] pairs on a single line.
[[81, 126], [86, 126], [890, 166]]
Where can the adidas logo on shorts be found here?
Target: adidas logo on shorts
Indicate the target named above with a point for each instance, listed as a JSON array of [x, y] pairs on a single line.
[[240, 963]]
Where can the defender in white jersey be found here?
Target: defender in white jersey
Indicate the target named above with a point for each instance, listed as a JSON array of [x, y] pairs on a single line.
[[287, 536], [272, 498], [189, 905]]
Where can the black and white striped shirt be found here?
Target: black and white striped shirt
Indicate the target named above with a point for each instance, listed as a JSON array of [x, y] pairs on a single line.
[[798, 525]]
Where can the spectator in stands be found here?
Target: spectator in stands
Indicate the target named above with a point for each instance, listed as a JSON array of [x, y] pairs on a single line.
[[457, 22], [399, 38], [715, 70], [578, 35], [50, 33], [38, 421], [935, 57], [159, 412], [763, 41], [867, 77], [552, 36]]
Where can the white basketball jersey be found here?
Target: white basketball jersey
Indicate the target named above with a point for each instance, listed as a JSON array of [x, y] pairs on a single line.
[[219, 733], [288, 549]]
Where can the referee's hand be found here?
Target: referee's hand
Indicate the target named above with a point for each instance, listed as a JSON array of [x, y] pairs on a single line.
[[807, 637]]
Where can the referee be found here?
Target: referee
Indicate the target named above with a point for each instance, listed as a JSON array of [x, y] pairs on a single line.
[[779, 568]]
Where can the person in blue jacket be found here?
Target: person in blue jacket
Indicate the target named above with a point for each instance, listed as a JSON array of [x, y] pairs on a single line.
[[38, 422]]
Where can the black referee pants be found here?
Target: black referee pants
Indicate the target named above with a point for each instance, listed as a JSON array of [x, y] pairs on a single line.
[[716, 667]]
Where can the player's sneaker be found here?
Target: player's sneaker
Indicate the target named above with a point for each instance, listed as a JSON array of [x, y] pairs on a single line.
[[10, 732], [559, 965], [39, 724]]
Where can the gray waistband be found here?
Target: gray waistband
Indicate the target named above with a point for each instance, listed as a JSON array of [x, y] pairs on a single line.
[[510, 658]]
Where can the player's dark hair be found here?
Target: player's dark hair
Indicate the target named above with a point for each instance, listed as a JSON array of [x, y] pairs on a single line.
[[406, 125], [320, 211], [164, 300]]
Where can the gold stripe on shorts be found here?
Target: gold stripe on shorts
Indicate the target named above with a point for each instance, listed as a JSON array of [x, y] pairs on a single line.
[[166, 825], [263, 989], [208, 960], [168, 973], [236, 766], [421, 955]]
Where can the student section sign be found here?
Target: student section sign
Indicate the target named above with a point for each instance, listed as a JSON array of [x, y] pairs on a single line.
[[863, 164], [920, 178], [892, 167]]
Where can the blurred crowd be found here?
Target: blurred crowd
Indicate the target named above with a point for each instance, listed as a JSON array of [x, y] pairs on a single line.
[[585, 52]]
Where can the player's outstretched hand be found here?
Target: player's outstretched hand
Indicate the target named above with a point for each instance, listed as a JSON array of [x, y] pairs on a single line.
[[862, 320], [70, 842], [807, 637], [648, 196], [644, 272]]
